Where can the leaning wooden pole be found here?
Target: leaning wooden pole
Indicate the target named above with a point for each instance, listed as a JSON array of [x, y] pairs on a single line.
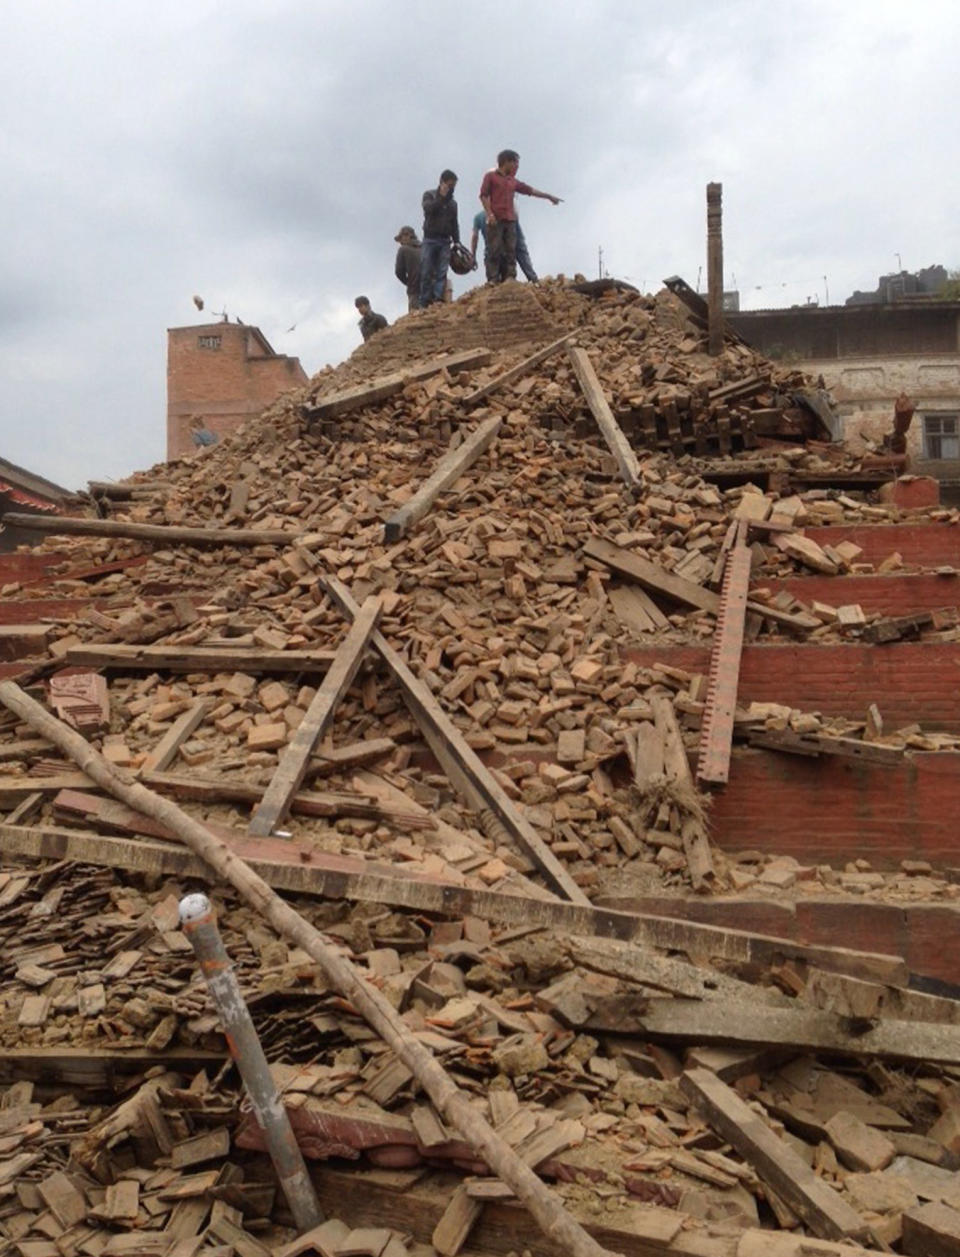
[[544, 1206], [165, 534]]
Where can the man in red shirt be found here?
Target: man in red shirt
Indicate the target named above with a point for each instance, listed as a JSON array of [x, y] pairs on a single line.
[[496, 196]]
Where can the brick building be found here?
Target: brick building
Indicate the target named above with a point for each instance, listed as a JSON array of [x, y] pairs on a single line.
[[224, 373], [867, 354]]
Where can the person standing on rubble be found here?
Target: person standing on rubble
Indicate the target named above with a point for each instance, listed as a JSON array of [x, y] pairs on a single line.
[[441, 230], [407, 266], [497, 198], [370, 321], [524, 260]]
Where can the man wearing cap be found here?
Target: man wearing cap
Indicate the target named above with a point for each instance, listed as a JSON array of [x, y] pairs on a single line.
[[407, 266], [441, 229]]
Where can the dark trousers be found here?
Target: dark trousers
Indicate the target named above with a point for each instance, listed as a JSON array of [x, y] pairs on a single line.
[[501, 256]]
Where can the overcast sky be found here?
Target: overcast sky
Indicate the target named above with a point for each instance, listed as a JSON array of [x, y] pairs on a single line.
[[263, 155]]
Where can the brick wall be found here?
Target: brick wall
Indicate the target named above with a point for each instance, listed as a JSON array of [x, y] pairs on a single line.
[[224, 372], [29, 565], [33, 610], [926, 545], [829, 810], [918, 681], [889, 595]]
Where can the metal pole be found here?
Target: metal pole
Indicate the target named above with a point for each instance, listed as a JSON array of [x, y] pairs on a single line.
[[199, 923]]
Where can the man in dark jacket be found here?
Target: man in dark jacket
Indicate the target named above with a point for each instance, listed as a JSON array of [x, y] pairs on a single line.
[[440, 230], [370, 321], [407, 266]]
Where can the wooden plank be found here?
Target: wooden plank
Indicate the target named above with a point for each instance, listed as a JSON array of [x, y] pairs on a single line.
[[617, 443], [122, 656], [385, 386], [716, 729], [165, 534], [287, 866], [296, 755], [515, 372], [676, 767], [97, 1067], [636, 610], [447, 471], [14, 788], [651, 575], [221, 789], [816, 744], [461, 763], [802, 1028], [505, 1227], [824, 1210], [164, 753], [336, 759]]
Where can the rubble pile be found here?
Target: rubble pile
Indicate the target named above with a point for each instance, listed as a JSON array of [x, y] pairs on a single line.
[[489, 760], [550, 1034]]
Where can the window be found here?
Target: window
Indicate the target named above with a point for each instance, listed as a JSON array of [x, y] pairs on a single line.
[[208, 342], [941, 435]]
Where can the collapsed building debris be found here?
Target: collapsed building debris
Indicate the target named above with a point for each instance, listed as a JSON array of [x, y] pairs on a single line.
[[402, 617]]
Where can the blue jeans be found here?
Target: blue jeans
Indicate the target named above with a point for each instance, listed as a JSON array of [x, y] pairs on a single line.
[[434, 260], [523, 257]]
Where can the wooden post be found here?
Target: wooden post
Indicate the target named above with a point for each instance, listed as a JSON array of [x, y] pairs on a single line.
[[451, 1103], [715, 268]]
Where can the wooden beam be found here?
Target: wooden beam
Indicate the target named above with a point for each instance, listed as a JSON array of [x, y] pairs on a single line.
[[223, 790], [295, 757], [124, 657], [98, 1066], [165, 752], [290, 867], [461, 763], [651, 575], [617, 443], [378, 390], [165, 534], [448, 470], [716, 729], [515, 372], [14, 788], [336, 759], [373, 1198], [676, 768], [824, 1210], [802, 1028]]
